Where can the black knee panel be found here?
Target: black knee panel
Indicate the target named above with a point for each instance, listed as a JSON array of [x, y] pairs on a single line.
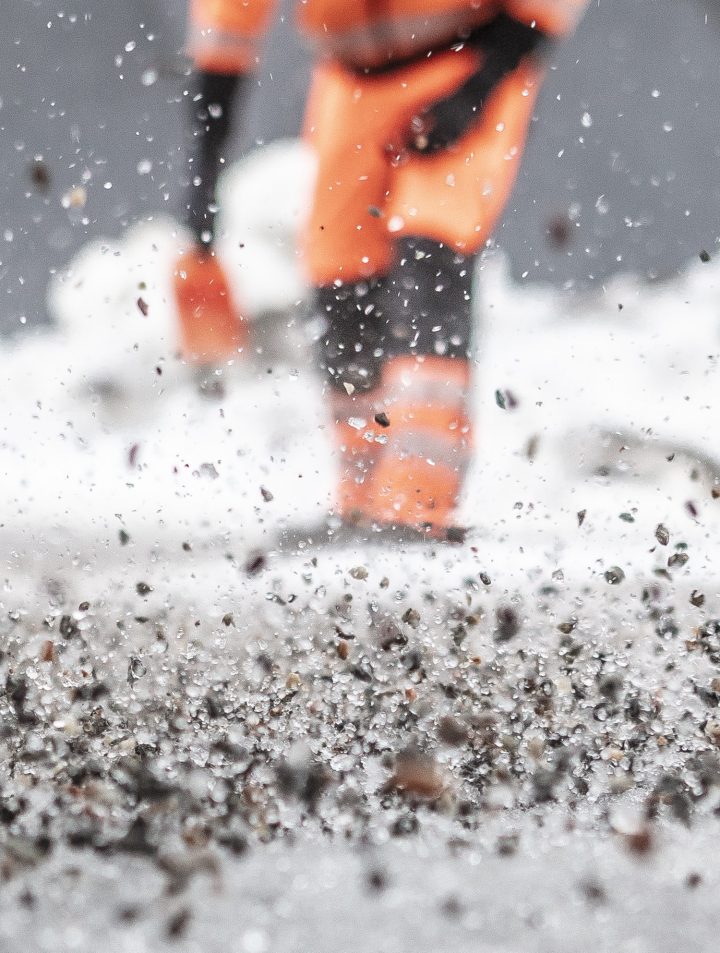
[[351, 346], [422, 307], [430, 311]]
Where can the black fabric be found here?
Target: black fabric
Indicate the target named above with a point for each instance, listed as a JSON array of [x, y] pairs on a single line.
[[212, 102], [422, 307], [504, 42]]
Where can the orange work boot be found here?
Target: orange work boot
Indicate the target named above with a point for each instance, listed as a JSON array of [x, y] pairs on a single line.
[[211, 330], [356, 434], [418, 477]]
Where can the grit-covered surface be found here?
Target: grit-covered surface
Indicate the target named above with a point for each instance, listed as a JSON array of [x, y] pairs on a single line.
[[217, 734]]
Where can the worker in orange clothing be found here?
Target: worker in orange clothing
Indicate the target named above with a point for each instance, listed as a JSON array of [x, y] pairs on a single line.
[[418, 115]]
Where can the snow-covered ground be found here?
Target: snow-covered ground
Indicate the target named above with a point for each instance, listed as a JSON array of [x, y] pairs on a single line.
[[102, 430], [126, 490]]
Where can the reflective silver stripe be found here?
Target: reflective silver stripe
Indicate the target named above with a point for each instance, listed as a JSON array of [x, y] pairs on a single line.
[[421, 392], [210, 41], [370, 45], [358, 407], [432, 448]]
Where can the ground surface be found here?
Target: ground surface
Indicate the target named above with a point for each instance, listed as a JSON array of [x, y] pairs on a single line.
[[217, 734]]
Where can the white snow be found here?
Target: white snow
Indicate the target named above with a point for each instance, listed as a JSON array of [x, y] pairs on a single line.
[[103, 429]]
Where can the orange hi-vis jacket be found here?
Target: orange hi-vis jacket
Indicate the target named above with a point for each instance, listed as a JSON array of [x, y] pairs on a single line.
[[370, 188], [226, 35]]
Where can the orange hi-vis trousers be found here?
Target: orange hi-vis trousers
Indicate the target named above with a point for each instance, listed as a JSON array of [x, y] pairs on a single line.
[[371, 189]]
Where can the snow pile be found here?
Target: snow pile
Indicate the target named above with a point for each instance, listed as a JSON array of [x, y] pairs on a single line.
[[593, 411]]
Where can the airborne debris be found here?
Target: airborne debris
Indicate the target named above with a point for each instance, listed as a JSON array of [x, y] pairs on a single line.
[[391, 635], [662, 534], [531, 447], [178, 923], [456, 534], [40, 175], [68, 627], [567, 627], [136, 669], [255, 563], [411, 617], [640, 841], [376, 879], [506, 399], [507, 845], [416, 774], [593, 891], [452, 732], [559, 230], [614, 575], [508, 624]]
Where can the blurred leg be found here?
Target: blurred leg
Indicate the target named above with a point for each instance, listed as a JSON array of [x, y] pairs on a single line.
[[397, 306], [424, 389], [395, 359]]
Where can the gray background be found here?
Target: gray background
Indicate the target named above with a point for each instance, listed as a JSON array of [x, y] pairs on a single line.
[[640, 184]]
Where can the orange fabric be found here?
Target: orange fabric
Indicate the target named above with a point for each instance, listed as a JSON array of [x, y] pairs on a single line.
[[414, 477], [233, 59], [335, 16], [356, 451], [370, 190], [432, 416], [248, 18], [425, 371], [211, 330], [370, 34], [374, 34], [224, 35], [555, 17], [412, 492]]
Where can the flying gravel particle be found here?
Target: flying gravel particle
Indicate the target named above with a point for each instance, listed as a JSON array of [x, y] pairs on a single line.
[[662, 534], [614, 575]]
